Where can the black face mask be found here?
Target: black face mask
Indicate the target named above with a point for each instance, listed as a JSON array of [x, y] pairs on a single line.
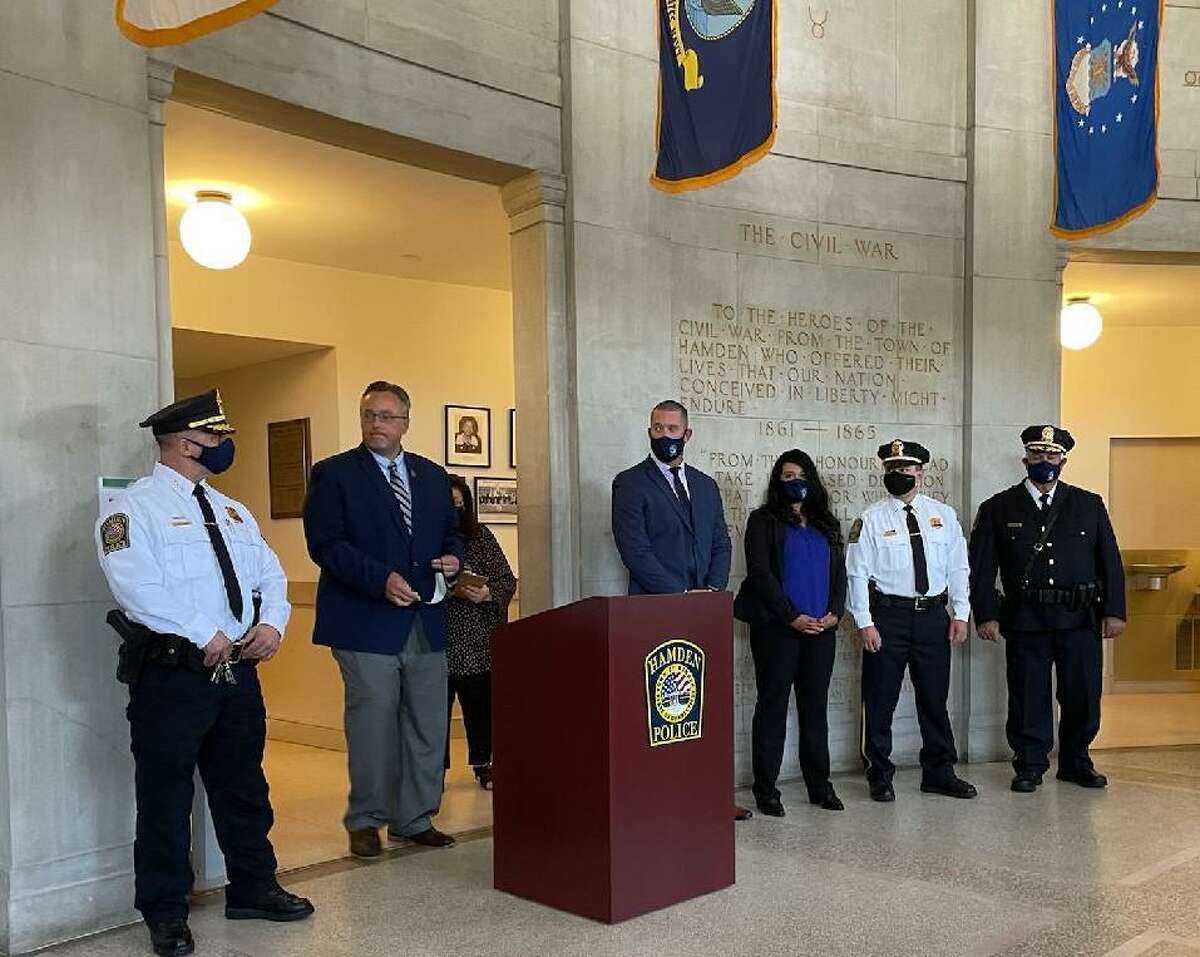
[[899, 483]]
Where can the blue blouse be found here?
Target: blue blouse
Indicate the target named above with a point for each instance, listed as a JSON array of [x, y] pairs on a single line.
[[806, 570]]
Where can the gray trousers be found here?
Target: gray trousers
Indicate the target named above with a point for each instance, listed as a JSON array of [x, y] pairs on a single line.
[[395, 735]]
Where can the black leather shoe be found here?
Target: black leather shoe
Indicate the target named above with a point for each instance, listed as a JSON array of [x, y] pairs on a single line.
[[1025, 783], [171, 938], [1088, 778], [954, 787], [828, 800], [275, 904], [430, 837], [772, 808], [364, 842], [882, 791]]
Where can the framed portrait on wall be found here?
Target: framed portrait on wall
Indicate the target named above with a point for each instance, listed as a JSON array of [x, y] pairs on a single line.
[[512, 438], [496, 500], [468, 436]]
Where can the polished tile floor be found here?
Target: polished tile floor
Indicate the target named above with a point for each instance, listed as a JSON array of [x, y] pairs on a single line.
[[308, 793], [1065, 871]]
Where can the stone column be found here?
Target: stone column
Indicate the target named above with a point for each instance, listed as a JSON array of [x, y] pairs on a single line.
[[544, 367], [1012, 294], [160, 78]]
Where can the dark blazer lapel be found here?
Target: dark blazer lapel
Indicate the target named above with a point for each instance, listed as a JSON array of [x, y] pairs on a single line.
[[659, 481], [376, 480]]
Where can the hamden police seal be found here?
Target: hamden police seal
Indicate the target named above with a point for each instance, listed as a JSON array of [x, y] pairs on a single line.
[[674, 692]]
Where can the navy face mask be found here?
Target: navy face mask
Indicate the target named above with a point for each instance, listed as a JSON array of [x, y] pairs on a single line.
[[899, 483], [794, 490], [667, 448], [218, 458], [1043, 472]]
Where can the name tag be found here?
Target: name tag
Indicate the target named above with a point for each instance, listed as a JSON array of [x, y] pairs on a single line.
[[178, 521], [935, 522], [889, 532], [1016, 524]]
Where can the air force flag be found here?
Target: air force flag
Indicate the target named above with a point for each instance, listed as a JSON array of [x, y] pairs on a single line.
[[1106, 113], [716, 92]]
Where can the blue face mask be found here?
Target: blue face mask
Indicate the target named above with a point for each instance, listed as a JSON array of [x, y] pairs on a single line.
[[1043, 472], [218, 458], [794, 490], [667, 448]]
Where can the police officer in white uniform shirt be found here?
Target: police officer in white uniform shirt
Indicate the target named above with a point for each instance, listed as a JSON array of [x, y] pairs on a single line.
[[203, 601], [906, 565]]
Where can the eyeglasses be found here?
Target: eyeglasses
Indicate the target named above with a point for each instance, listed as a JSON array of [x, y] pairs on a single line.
[[384, 418]]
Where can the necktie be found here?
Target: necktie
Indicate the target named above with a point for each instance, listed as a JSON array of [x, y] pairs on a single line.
[[402, 496], [680, 490], [920, 569], [1045, 500], [233, 590]]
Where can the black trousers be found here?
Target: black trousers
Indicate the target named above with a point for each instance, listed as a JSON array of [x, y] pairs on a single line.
[[787, 662], [1076, 656], [475, 696], [917, 640], [178, 721]]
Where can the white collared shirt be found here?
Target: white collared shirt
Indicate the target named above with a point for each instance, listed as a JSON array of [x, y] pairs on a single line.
[[666, 471], [162, 568], [1037, 493], [883, 554]]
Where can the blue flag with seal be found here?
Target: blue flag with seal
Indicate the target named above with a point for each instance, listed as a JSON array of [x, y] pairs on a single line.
[[716, 90], [1106, 113]]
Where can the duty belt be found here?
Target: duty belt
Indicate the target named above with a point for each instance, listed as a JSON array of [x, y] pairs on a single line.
[[1077, 597], [920, 603]]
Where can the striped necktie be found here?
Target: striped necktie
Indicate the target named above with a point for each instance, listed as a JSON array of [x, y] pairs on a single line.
[[400, 488]]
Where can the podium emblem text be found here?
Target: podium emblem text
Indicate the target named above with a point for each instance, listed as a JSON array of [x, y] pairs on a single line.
[[674, 692]]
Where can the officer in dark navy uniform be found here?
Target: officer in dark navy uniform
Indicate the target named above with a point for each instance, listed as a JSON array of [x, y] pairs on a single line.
[[1063, 591]]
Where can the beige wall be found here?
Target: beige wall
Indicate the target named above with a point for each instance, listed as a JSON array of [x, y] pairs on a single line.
[[445, 344], [1135, 381]]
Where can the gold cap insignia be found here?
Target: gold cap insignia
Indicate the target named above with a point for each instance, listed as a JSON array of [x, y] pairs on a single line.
[[897, 448], [1048, 434]]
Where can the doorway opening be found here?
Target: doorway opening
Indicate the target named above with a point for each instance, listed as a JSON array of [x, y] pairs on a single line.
[[361, 268], [1132, 401]]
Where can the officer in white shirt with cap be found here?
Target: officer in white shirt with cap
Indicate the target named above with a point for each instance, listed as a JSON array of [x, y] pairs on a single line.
[[203, 601], [907, 572]]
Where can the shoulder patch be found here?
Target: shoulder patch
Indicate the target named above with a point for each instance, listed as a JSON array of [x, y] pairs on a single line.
[[233, 514], [855, 531], [114, 533]]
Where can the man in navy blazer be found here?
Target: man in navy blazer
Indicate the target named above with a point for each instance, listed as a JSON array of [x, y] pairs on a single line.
[[381, 525], [668, 520], [667, 517]]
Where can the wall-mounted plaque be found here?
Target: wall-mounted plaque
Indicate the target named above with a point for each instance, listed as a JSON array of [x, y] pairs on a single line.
[[289, 458]]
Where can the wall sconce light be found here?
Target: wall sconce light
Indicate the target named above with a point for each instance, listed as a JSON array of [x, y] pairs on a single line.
[[1081, 324], [213, 231]]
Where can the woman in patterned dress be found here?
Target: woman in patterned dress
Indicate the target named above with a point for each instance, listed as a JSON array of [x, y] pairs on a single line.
[[474, 615]]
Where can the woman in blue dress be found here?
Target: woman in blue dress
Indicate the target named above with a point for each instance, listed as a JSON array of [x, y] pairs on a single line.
[[793, 597]]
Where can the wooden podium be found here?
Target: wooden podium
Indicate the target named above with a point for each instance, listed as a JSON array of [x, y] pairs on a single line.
[[589, 815]]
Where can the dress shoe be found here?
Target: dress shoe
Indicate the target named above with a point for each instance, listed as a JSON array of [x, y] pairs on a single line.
[[430, 837], [483, 774], [828, 800], [273, 904], [171, 938], [364, 842], [882, 791], [1025, 783], [771, 808], [954, 787], [742, 813], [1087, 778]]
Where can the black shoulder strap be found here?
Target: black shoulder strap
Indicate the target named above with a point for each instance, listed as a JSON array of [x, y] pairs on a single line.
[[1040, 545]]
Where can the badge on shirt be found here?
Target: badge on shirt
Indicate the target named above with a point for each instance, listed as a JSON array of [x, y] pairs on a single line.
[[936, 522], [855, 531], [233, 514], [114, 533]]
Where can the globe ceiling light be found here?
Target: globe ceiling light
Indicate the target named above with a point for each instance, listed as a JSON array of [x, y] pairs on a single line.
[[1081, 324], [214, 232]]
